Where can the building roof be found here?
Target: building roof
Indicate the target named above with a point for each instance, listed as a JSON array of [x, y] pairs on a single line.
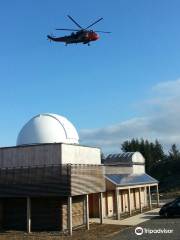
[[127, 157], [130, 179], [48, 128]]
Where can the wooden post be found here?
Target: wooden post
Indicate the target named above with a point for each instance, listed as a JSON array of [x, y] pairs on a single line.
[[87, 211], [100, 207], [129, 201], [145, 196], [69, 213], [140, 200], [117, 204], [150, 204], [28, 211], [157, 191]]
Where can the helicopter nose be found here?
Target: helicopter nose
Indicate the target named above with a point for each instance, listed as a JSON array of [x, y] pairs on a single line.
[[93, 36], [96, 36]]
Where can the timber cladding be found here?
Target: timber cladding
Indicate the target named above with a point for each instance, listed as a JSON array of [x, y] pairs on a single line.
[[117, 169], [55, 180], [30, 155], [78, 212], [35, 181], [36, 170], [46, 213], [87, 179]]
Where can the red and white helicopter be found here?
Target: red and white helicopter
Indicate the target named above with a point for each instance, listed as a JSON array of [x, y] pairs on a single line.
[[81, 35]]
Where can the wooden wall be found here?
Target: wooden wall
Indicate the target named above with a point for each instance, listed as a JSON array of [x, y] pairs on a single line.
[[78, 211], [46, 213], [94, 205], [35, 181], [55, 180], [36, 170], [118, 169], [87, 179], [31, 155]]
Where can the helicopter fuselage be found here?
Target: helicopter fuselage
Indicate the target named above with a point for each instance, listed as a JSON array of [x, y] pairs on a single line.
[[79, 37]]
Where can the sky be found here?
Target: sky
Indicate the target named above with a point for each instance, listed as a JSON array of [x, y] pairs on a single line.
[[125, 85]]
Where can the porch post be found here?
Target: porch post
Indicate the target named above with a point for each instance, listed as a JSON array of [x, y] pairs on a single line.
[[157, 191], [129, 201], [69, 215], [145, 196], [28, 211], [100, 207], [87, 211], [140, 200], [149, 192], [117, 195]]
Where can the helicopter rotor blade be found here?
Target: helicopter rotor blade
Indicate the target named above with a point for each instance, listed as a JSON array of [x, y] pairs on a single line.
[[67, 29], [102, 31], [94, 23], [77, 24]]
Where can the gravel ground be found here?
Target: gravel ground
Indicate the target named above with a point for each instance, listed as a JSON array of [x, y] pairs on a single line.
[[154, 224], [96, 232], [109, 232]]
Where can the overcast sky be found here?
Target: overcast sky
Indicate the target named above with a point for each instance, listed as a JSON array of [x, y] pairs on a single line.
[[124, 85]]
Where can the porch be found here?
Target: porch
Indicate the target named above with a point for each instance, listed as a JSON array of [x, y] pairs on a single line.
[[125, 195]]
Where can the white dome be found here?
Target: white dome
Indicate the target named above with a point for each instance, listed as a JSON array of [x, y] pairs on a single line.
[[48, 128], [137, 157]]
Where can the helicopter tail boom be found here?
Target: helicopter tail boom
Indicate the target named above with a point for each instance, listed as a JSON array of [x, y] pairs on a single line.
[[55, 39]]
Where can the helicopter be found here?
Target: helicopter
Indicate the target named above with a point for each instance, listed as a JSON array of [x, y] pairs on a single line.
[[80, 35]]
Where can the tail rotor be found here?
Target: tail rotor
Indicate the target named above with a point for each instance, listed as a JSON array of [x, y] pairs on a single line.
[[50, 36]]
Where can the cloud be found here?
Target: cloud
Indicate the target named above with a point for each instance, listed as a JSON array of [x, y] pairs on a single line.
[[162, 122], [169, 88]]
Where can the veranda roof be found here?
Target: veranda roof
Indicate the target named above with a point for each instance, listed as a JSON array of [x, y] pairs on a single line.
[[130, 179]]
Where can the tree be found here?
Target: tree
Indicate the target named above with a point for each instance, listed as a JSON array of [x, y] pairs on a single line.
[[174, 153], [152, 151], [164, 167], [102, 157]]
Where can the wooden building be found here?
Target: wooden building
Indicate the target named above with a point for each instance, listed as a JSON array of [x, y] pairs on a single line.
[[50, 182], [128, 187], [48, 195]]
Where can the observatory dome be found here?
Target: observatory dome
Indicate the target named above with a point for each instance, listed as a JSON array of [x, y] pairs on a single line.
[[48, 128]]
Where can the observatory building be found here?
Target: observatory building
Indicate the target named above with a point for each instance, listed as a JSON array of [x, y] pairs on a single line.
[[48, 181]]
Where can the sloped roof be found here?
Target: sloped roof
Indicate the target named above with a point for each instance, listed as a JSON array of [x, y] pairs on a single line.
[[130, 179], [127, 157]]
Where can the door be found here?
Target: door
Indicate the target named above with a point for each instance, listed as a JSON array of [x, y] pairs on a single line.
[[126, 201], [110, 202]]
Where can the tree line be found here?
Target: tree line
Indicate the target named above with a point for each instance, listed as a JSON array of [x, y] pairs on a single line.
[[165, 166]]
